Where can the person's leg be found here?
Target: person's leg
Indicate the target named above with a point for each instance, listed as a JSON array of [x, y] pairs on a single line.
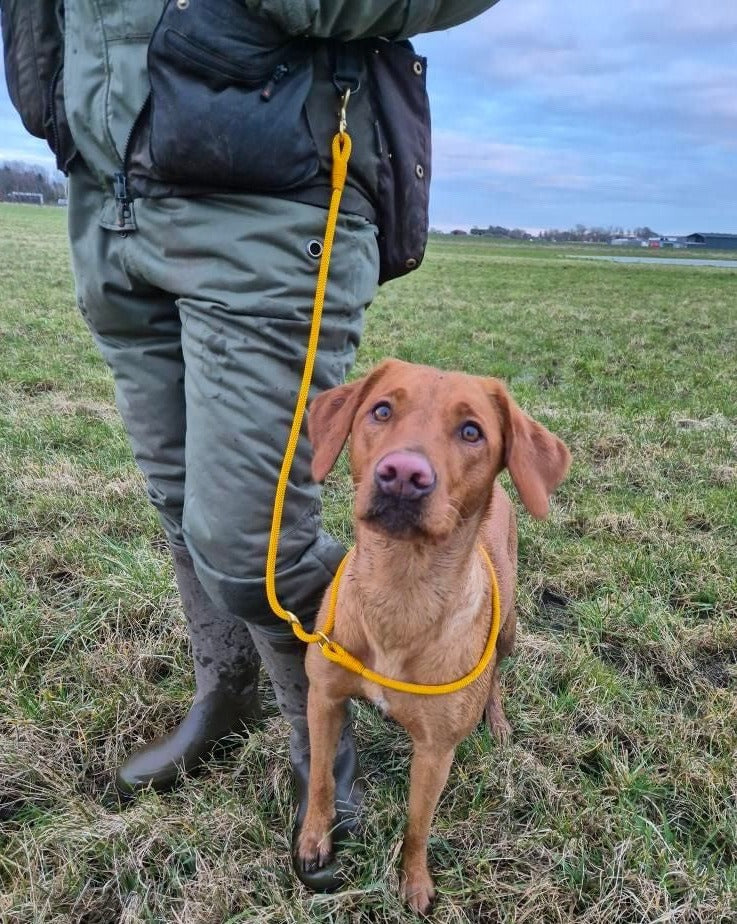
[[138, 330], [246, 283], [246, 274]]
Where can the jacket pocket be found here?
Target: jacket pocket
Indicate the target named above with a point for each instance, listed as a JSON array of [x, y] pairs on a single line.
[[397, 75], [248, 72], [227, 100]]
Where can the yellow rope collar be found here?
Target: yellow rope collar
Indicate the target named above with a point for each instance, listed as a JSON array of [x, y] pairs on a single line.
[[331, 649], [338, 655]]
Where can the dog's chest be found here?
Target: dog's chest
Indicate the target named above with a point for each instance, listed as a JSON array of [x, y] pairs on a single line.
[[392, 705], [383, 698], [379, 699]]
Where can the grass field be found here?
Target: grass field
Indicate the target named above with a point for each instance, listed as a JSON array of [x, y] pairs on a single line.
[[616, 799]]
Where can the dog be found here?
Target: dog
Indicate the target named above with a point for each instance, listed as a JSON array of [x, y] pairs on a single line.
[[426, 447]]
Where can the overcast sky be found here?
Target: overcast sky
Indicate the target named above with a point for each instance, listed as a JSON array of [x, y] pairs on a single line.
[[547, 113]]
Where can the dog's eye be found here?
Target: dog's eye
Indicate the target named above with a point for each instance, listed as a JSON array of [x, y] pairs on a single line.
[[471, 433], [382, 411]]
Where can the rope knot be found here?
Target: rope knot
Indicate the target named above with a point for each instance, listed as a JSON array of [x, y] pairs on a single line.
[[342, 145]]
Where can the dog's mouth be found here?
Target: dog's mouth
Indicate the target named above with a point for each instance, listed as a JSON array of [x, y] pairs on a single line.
[[396, 516]]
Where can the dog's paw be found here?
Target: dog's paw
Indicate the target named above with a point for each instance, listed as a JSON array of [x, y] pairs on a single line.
[[499, 727], [417, 891], [314, 850], [502, 731]]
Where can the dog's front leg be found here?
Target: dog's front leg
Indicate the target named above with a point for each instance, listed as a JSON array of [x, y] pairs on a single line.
[[325, 717], [428, 775]]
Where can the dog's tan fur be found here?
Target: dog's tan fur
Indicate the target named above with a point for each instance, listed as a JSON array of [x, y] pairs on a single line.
[[414, 603]]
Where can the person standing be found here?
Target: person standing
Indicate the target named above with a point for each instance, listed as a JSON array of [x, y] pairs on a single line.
[[196, 137]]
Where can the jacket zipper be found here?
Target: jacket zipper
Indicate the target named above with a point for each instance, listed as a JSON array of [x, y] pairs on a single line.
[[280, 72], [123, 200], [243, 73]]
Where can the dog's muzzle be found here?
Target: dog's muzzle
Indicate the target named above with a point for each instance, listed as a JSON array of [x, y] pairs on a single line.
[[402, 481]]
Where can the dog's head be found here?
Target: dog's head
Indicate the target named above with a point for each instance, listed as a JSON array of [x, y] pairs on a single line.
[[426, 446]]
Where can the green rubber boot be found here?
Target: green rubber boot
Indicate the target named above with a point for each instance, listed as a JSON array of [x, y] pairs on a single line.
[[226, 666]]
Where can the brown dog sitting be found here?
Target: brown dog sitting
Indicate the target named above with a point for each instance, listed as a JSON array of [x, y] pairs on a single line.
[[414, 602]]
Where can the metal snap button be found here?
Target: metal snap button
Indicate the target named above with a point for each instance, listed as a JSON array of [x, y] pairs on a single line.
[[420, 171], [314, 248], [182, 4], [417, 68], [411, 263]]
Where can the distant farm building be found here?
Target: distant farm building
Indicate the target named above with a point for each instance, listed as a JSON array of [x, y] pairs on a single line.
[[713, 241], [675, 243]]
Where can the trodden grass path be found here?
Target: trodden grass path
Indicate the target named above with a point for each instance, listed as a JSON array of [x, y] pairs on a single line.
[[614, 802]]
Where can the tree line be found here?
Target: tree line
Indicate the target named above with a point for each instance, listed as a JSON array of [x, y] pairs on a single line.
[[16, 176], [579, 233]]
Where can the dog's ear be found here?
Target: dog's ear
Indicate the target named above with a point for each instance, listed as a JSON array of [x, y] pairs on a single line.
[[536, 459], [330, 419]]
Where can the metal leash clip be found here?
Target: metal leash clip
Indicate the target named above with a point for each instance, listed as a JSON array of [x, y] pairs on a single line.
[[343, 123]]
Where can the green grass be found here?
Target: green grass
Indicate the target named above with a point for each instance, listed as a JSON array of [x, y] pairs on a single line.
[[615, 801]]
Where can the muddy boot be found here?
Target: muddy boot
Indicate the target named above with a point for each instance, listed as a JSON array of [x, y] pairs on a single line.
[[349, 793], [226, 665], [282, 655]]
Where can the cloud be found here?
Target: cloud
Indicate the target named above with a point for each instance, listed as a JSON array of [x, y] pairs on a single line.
[[458, 154], [630, 65], [609, 108]]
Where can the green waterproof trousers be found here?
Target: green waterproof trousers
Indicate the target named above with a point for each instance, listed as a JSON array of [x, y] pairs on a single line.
[[202, 312]]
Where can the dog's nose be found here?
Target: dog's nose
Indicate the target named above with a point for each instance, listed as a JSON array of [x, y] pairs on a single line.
[[405, 474]]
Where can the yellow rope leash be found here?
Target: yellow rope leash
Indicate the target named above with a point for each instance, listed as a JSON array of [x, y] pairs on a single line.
[[331, 649], [341, 153]]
